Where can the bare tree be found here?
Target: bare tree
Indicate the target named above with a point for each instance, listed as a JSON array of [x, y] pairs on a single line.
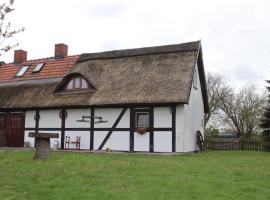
[[242, 110], [217, 90], [5, 27]]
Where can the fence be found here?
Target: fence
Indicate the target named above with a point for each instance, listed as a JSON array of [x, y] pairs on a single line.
[[225, 143]]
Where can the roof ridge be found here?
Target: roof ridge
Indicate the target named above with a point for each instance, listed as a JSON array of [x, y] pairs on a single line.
[[37, 59], [171, 48]]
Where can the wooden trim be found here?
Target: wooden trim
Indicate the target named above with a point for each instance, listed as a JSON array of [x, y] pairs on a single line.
[[63, 125], [127, 105], [92, 126], [113, 127], [173, 128], [95, 129], [37, 118], [132, 128], [151, 132]]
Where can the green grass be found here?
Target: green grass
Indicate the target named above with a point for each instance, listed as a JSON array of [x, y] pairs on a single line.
[[208, 175]]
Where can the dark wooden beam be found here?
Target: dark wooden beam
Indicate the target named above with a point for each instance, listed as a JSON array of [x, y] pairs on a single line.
[[132, 129], [63, 115], [92, 126], [151, 131], [173, 109]]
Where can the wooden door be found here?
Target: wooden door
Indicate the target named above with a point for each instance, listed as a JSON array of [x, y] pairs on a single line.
[[3, 135], [15, 130]]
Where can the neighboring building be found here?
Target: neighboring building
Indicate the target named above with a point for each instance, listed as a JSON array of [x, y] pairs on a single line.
[[146, 99]]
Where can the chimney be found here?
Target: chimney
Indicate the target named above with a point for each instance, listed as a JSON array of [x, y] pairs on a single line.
[[61, 50], [20, 56]]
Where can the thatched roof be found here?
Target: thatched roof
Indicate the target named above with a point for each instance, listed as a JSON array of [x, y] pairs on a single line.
[[154, 75]]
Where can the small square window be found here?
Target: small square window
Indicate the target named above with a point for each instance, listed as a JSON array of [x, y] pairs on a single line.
[[142, 119], [38, 67], [22, 71]]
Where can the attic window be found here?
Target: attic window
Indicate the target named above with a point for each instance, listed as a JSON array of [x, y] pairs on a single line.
[[38, 67], [22, 71], [77, 83]]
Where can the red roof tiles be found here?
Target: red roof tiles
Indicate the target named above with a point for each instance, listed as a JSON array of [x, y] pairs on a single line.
[[53, 68]]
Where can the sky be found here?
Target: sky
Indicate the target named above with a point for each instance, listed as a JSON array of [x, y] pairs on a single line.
[[235, 34]]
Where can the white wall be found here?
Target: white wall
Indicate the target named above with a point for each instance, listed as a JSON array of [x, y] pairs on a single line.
[[141, 141], [49, 119], [163, 141], [193, 118], [76, 114], [30, 119], [162, 117], [119, 140], [180, 128]]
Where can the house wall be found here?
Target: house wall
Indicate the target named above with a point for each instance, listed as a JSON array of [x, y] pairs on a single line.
[[193, 118], [119, 140]]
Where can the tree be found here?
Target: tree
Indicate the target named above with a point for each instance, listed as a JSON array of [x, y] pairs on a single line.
[[5, 27], [217, 90], [265, 123], [242, 110]]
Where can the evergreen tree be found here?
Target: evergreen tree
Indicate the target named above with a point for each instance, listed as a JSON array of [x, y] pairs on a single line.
[[265, 123]]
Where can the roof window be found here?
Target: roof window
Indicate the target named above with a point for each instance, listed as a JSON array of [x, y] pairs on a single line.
[[38, 67], [22, 71]]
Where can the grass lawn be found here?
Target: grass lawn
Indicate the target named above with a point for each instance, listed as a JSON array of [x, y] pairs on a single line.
[[208, 175]]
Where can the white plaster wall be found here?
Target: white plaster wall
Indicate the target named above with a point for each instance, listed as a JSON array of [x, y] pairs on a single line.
[[85, 138], [98, 138], [180, 128], [194, 115], [29, 139], [162, 117], [141, 142], [76, 114], [163, 141], [110, 115], [119, 141], [49, 119], [30, 119]]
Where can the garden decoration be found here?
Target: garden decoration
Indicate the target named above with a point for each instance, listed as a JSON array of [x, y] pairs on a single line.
[[42, 140]]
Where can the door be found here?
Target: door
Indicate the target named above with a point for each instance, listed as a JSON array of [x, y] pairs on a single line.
[[15, 126], [3, 135]]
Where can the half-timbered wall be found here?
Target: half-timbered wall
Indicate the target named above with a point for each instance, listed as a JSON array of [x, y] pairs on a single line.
[[160, 137]]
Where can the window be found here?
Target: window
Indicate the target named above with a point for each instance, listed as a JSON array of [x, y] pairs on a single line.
[[195, 79], [38, 67], [77, 83], [22, 71], [142, 119]]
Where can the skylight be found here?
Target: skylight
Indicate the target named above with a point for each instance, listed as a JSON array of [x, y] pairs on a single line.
[[22, 71], [38, 67]]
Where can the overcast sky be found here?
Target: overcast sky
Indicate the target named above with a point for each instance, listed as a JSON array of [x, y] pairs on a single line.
[[235, 35]]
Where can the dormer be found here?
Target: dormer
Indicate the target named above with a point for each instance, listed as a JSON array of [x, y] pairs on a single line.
[[74, 82]]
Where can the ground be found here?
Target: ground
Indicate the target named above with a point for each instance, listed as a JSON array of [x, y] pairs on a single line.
[[209, 175]]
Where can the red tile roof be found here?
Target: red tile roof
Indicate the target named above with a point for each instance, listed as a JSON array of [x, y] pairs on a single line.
[[53, 68]]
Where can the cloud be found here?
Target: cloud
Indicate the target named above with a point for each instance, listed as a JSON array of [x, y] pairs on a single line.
[[234, 34]]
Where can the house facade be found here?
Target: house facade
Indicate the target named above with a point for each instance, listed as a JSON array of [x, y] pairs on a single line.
[[148, 99]]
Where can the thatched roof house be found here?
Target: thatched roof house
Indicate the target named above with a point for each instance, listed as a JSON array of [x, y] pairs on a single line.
[[146, 99]]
